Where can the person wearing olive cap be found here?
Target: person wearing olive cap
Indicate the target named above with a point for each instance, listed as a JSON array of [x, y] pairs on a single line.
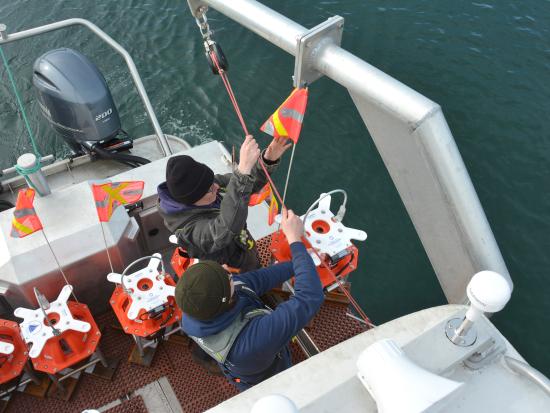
[[208, 212], [224, 315]]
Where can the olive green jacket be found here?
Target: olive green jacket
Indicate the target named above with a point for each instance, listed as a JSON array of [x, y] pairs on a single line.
[[219, 234]]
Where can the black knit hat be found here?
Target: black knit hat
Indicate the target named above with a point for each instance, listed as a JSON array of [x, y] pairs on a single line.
[[187, 180], [204, 291]]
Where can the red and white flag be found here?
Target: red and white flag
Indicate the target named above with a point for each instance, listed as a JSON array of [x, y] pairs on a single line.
[[25, 221], [111, 195]]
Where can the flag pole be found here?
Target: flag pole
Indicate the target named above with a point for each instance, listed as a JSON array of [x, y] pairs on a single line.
[[287, 178], [106, 247], [59, 265], [288, 173]]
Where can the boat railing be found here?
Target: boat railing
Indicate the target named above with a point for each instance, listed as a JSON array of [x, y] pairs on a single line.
[[6, 37], [409, 131], [531, 373]]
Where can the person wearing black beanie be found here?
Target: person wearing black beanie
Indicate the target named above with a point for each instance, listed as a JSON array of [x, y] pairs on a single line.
[[208, 212]]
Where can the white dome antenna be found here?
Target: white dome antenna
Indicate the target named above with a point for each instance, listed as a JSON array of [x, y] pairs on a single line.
[[488, 292], [274, 403]]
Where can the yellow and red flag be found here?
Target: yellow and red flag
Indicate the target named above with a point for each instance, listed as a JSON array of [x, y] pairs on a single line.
[[25, 221], [273, 210], [286, 121], [261, 196], [109, 196]]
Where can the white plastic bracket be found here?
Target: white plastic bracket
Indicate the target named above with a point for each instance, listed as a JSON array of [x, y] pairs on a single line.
[[6, 348], [326, 234], [35, 329], [146, 287]]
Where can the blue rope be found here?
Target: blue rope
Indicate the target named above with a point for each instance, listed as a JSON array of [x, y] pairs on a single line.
[[20, 103]]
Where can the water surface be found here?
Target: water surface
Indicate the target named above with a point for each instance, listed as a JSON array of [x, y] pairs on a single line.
[[486, 63]]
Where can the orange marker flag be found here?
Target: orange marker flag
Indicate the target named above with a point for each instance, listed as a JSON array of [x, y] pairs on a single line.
[[25, 221], [261, 196], [273, 210], [110, 195], [286, 121]]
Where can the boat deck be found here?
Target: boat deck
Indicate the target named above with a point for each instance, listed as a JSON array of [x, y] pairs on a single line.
[[172, 371], [64, 173]]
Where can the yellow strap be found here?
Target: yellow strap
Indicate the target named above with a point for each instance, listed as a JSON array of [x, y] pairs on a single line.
[[114, 195], [20, 227], [279, 127]]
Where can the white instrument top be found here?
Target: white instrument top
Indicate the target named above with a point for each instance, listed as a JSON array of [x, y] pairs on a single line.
[[35, 329]]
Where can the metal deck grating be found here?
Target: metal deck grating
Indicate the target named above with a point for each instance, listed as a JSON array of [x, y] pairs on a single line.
[[134, 405], [195, 389]]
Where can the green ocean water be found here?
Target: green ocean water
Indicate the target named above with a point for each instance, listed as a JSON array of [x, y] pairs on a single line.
[[486, 63]]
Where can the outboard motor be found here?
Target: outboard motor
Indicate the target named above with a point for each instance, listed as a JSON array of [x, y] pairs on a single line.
[[76, 101]]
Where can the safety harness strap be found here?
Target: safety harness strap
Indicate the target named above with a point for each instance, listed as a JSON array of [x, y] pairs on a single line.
[[219, 345]]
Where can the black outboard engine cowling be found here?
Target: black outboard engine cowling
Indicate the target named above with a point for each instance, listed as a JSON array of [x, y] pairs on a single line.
[[75, 99]]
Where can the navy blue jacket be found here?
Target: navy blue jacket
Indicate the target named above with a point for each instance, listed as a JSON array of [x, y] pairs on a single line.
[[261, 349]]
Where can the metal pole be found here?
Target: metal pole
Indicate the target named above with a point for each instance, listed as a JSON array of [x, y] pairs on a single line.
[[288, 173], [30, 167], [59, 266], [11, 389], [416, 145], [79, 369], [531, 373], [12, 37], [340, 65], [265, 22], [106, 247]]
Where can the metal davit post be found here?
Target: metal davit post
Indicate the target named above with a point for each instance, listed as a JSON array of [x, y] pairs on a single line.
[[411, 135], [12, 37]]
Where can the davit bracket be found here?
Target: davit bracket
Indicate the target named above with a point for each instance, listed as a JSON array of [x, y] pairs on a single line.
[[197, 7], [309, 46]]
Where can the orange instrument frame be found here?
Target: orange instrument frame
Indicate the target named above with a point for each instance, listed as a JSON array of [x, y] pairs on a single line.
[[180, 261], [70, 346], [12, 364], [281, 251], [143, 326]]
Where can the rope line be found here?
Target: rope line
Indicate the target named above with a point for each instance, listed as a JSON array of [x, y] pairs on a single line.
[[59, 266], [233, 99], [230, 92], [20, 104]]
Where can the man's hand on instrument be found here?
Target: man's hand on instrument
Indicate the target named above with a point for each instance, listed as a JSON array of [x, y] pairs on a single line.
[[276, 148], [250, 151], [292, 226]]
